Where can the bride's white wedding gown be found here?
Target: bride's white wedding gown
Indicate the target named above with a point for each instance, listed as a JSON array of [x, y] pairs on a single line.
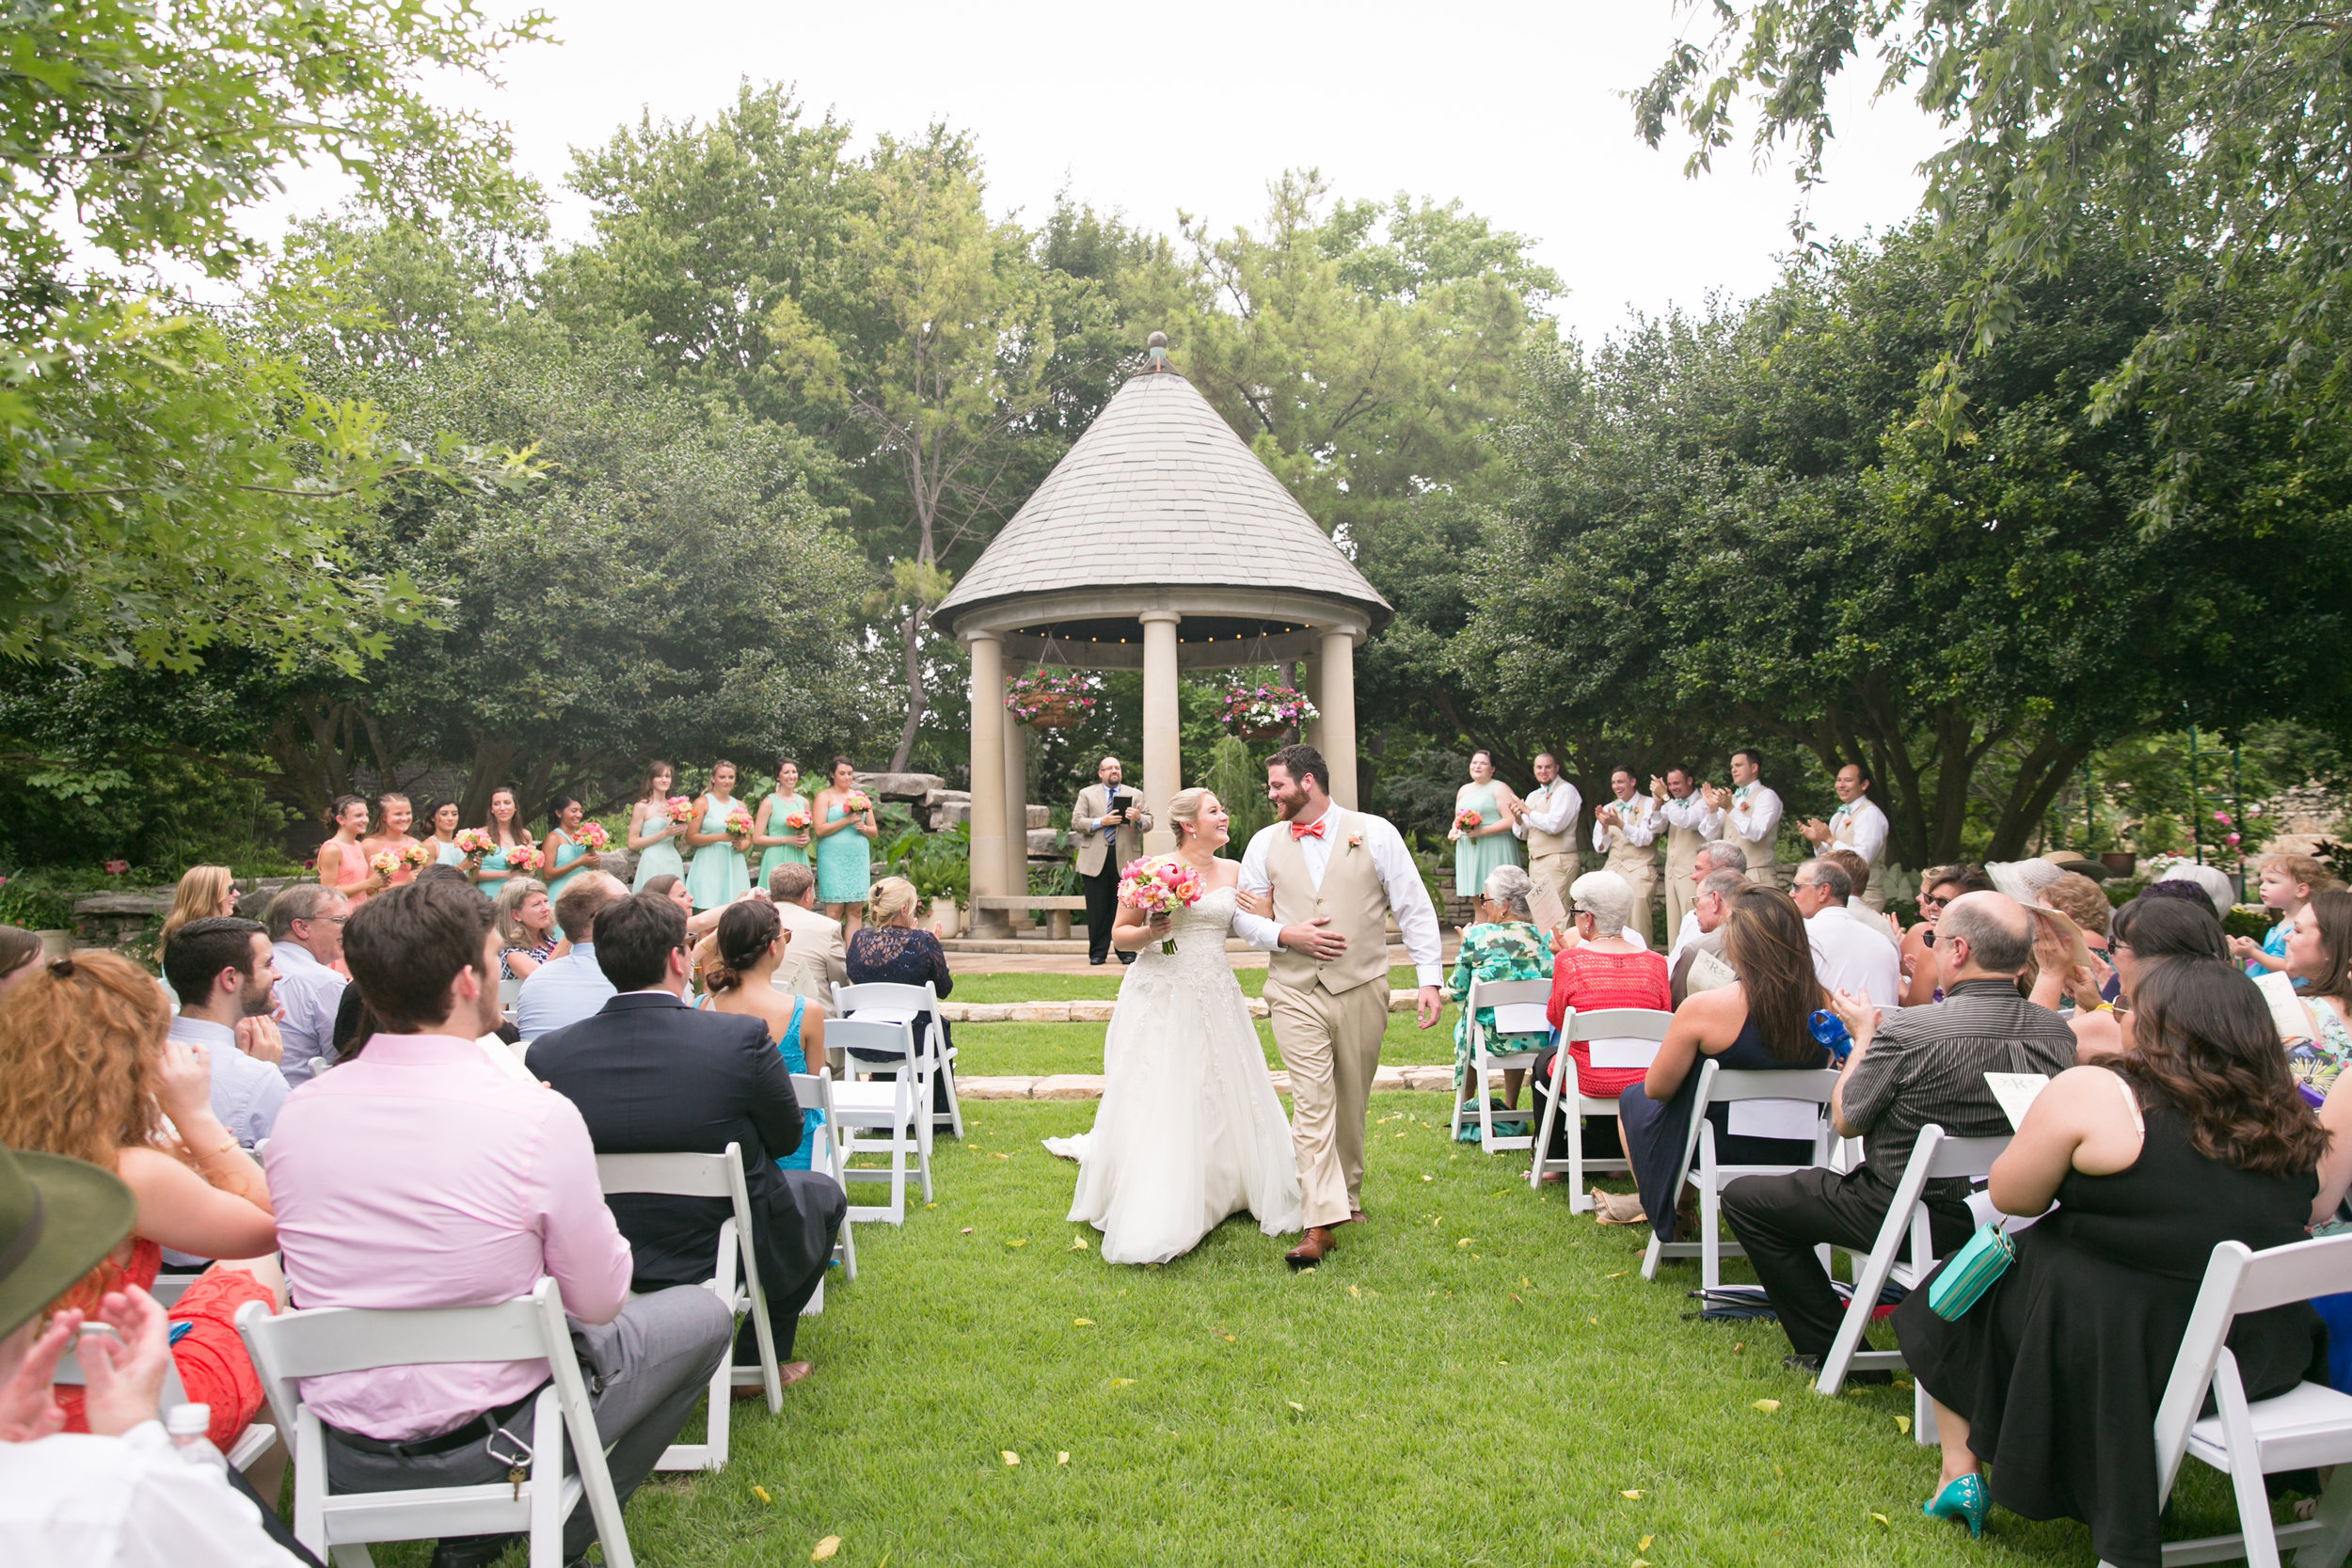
[[1189, 1130]]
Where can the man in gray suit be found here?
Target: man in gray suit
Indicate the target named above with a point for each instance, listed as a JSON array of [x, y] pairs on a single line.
[[1107, 824], [814, 957]]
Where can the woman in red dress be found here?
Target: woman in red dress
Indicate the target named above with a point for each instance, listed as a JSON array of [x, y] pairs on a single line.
[[1595, 965]]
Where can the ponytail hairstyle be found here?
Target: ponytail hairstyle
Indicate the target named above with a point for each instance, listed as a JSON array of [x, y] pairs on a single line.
[[745, 933], [335, 810]]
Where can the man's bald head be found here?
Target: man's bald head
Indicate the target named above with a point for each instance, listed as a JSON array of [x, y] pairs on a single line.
[[1991, 939]]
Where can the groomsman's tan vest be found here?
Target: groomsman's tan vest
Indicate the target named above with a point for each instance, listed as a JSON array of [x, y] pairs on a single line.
[[1760, 856], [1351, 896], [1636, 862], [1542, 843], [1682, 850]]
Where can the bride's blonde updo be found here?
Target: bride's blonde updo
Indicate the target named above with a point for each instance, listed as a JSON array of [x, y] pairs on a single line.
[[1184, 809]]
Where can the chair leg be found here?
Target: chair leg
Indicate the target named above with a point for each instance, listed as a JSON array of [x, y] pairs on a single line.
[[1652, 1258], [351, 1554], [2245, 1467], [2334, 1518], [1710, 1231], [1485, 1106], [1539, 1162], [547, 1468]]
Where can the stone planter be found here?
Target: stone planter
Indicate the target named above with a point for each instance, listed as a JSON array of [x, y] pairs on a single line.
[[55, 945], [946, 918]]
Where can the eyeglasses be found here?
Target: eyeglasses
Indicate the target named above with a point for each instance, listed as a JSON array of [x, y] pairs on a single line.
[[324, 919], [1927, 899]]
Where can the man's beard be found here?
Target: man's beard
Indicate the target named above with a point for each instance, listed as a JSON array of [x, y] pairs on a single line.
[[255, 1003]]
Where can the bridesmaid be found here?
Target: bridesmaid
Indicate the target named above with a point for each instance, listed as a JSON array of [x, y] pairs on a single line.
[[506, 832], [343, 864], [567, 857], [845, 871], [778, 843], [717, 876], [394, 814], [651, 832], [442, 841], [1477, 850]]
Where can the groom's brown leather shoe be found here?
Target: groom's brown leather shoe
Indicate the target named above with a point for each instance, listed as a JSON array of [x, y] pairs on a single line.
[[1318, 1244]]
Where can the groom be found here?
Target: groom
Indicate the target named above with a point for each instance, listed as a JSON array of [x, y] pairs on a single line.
[[1333, 875]]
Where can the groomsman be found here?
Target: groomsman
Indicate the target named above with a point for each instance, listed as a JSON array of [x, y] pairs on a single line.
[[1544, 820], [1109, 822], [1690, 823], [1751, 811], [1858, 825], [1623, 831]]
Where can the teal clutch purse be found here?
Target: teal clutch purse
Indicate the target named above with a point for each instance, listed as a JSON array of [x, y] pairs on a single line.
[[1971, 1271]]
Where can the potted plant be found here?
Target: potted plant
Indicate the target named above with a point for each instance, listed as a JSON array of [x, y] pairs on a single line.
[[1046, 700], [1262, 712]]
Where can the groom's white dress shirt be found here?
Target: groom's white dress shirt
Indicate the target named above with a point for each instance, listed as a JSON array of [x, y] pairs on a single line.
[[1399, 879]]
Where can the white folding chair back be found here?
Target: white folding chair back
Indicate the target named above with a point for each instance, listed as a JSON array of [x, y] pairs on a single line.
[[734, 1279], [1626, 1037], [880, 1105], [567, 1459], [1702, 1169], [891, 1002], [508, 991], [1484, 1062], [2309, 1426], [815, 1093], [1935, 1157]]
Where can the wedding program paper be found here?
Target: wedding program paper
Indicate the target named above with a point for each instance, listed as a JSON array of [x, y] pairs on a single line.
[[2015, 1091]]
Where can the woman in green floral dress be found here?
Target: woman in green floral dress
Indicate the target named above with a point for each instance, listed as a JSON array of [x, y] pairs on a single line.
[[1503, 945]]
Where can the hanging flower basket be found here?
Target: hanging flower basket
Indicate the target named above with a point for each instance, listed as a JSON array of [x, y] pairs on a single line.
[[1263, 712], [1045, 701]]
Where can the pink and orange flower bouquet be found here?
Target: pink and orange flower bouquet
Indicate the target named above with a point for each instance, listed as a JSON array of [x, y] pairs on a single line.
[[593, 835], [473, 841], [738, 823], [681, 809], [796, 821], [525, 858], [1468, 821], [855, 802], [1159, 887], [417, 855]]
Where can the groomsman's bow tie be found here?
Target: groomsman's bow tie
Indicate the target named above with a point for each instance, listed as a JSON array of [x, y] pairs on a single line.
[[1309, 830]]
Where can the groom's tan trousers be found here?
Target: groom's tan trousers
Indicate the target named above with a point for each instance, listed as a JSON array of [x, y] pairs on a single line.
[[1330, 1042]]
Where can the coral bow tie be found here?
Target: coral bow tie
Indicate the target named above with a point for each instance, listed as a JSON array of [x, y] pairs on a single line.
[[1308, 829]]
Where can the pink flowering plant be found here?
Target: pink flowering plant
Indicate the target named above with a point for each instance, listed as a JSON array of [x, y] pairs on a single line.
[[1266, 709], [1159, 887], [1065, 695]]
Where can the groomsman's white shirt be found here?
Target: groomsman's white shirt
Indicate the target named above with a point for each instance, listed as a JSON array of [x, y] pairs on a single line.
[[1761, 820], [1553, 809], [1690, 812], [1846, 957], [1872, 921], [1640, 825], [1399, 879], [1860, 827]]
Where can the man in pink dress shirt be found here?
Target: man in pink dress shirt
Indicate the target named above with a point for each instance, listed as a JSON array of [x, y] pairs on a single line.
[[418, 1174]]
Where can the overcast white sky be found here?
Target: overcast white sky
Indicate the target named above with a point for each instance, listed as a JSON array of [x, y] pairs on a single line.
[[1513, 107]]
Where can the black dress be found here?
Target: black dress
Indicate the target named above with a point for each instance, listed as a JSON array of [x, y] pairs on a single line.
[[2058, 1367], [896, 955], [1655, 1132]]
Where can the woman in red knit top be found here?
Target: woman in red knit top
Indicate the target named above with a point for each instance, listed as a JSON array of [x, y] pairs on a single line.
[[1597, 965]]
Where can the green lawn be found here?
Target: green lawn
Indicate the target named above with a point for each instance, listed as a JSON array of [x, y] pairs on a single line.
[[1023, 1050], [1103, 986], [1477, 1379]]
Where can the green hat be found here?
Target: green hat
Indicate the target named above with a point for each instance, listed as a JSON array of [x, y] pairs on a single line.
[[58, 1217]]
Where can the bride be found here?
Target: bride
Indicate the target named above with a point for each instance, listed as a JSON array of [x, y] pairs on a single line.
[[1189, 1130]]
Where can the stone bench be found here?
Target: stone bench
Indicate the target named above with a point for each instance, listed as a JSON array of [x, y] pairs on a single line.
[[1058, 908]]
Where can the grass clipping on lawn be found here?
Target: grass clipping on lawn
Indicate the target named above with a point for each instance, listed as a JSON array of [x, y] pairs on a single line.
[[1479, 1378]]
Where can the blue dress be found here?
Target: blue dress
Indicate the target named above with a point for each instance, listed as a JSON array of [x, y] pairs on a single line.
[[845, 870], [797, 1059], [494, 861], [717, 877], [657, 860], [566, 853]]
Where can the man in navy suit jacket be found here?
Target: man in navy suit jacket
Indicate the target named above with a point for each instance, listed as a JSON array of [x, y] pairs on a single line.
[[651, 1075]]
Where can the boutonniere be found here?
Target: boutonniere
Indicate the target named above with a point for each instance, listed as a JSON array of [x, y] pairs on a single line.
[[1354, 841]]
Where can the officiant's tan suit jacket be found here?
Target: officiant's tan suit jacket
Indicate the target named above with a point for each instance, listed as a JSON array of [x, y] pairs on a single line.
[[1093, 802]]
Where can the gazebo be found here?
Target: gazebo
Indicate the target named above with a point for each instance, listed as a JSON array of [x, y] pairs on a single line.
[[1160, 543]]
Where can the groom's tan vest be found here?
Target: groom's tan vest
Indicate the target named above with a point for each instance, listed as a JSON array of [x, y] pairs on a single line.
[[1351, 896]]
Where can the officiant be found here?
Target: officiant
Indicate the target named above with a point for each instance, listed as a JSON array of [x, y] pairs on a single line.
[[1107, 823]]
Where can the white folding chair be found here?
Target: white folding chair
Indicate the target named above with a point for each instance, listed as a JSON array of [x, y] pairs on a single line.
[[2308, 1426], [735, 1279], [508, 991], [252, 1443], [1614, 1037], [884, 1105], [1935, 1157], [1783, 1104], [815, 1093], [1519, 1009], [291, 1346], [890, 1002]]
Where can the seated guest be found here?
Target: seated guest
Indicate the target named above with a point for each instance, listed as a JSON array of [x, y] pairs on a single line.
[[418, 1175], [652, 1076], [1713, 856], [2193, 1137], [203, 892], [2210, 880], [225, 975], [1503, 944], [1760, 1024], [19, 957], [817, 959], [1922, 1065], [569, 989], [86, 1071], [2146, 932], [1599, 972], [306, 938], [1701, 965], [699, 924], [739, 964], [526, 925], [1857, 872], [1845, 956], [2319, 957], [888, 948], [1938, 886], [119, 1497], [2085, 902]]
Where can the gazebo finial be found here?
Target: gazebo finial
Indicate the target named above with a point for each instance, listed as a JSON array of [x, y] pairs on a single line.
[[1157, 344]]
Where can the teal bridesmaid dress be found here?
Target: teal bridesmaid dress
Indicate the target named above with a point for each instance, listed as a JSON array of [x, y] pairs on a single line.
[[717, 876], [845, 872], [781, 854], [447, 854], [565, 854], [657, 860], [1474, 858]]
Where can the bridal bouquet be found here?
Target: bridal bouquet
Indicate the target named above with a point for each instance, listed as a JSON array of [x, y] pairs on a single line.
[[681, 807], [738, 823], [1159, 887], [524, 859], [473, 841], [593, 835]]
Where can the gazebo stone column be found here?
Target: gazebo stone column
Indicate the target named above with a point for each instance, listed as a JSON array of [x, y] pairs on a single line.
[[1310, 683], [1163, 765], [1337, 700], [1016, 810], [988, 779]]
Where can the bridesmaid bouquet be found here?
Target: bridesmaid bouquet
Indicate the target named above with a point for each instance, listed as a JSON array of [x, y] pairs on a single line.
[[1467, 821], [473, 841], [1159, 887], [419, 854], [524, 859], [386, 862], [681, 809], [593, 835], [855, 802], [738, 823], [796, 820]]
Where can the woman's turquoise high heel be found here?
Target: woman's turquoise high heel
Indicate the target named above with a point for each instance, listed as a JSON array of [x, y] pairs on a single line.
[[1963, 1498]]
